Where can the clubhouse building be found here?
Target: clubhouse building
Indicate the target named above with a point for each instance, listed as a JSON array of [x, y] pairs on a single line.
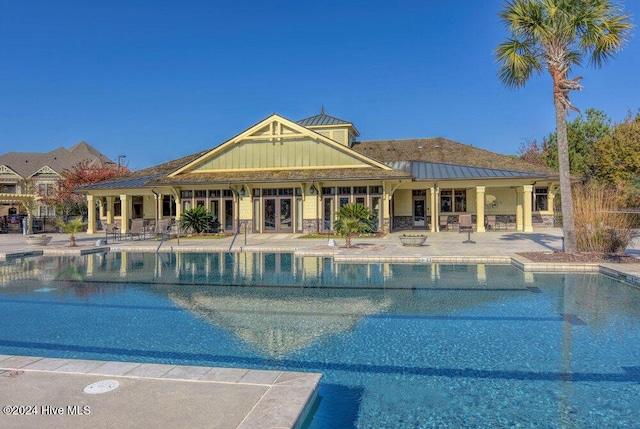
[[284, 176]]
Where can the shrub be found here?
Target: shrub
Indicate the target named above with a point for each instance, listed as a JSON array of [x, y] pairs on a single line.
[[198, 220], [601, 226]]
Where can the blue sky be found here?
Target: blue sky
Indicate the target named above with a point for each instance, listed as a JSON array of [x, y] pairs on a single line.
[[156, 80]]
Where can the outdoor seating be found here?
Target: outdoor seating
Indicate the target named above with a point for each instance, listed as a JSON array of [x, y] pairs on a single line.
[[113, 230], [490, 222], [162, 227], [138, 229], [466, 225], [444, 222]]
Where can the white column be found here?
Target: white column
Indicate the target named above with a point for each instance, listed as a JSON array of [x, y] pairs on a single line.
[[480, 208]]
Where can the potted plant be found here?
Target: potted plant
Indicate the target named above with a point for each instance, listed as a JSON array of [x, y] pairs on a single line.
[[413, 240], [38, 240]]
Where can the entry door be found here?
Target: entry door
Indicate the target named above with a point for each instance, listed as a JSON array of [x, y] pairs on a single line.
[[278, 214], [228, 215], [419, 213], [327, 213]]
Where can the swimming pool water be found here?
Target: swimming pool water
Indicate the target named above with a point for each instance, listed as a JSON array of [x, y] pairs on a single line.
[[399, 346]]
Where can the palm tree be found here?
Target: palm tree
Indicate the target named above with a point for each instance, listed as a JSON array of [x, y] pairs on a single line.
[[353, 219], [555, 35], [72, 227]]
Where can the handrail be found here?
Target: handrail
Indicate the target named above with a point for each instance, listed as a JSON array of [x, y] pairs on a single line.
[[238, 232], [165, 235]]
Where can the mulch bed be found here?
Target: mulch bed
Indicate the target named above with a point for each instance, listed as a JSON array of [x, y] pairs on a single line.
[[593, 258]]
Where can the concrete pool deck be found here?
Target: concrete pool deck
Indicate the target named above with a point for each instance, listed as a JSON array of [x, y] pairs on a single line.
[[152, 395], [49, 392]]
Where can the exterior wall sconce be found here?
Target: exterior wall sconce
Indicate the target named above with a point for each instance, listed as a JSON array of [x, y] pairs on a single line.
[[313, 190], [242, 192]]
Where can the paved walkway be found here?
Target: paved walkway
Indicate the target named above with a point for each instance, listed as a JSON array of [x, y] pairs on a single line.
[[183, 396]]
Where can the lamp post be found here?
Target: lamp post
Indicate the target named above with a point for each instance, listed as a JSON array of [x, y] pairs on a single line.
[[120, 157]]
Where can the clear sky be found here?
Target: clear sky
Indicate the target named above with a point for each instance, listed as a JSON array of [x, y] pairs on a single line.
[[156, 80]]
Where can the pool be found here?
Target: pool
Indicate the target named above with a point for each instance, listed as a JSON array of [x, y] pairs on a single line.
[[399, 345]]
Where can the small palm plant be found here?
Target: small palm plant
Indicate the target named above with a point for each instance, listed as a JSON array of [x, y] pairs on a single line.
[[353, 219], [197, 219], [72, 227]]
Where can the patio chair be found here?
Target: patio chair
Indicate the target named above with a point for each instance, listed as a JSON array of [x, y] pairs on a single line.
[[162, 226], [444, 222], [138, 229], [113, 230], [466, 225], [490, 222]]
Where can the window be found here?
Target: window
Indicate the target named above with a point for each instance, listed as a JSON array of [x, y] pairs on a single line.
[[186, 194], [328, 191], [446, 201], [541, 199], [460, 202], [360, 190], [200, 194], [168, 206], [344, 190], [46, 189], [117, 207], [375, 189], [453, 200]]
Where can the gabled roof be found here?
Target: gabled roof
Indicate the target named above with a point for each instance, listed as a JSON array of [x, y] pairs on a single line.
[[27, 164], [273, 128], [443, 151]]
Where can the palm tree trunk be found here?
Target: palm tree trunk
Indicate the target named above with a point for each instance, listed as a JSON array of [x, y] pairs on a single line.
[[568, 222]]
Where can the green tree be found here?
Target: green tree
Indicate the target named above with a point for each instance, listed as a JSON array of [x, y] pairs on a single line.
[[72, 227], [353, 219], [618, 160], [582, 135], [197, 219], [555, 35]]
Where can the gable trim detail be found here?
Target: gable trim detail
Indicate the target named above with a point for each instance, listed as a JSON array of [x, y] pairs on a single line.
[[278, 129]]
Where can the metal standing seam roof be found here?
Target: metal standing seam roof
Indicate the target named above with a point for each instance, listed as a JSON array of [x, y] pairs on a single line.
[[437, 171], [321, 119], [127, 183]]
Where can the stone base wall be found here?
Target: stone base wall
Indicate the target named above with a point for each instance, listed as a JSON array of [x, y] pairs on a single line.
[[543, 221]]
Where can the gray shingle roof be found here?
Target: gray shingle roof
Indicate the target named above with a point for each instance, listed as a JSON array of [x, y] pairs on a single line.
[[445, 151], [61, 159]]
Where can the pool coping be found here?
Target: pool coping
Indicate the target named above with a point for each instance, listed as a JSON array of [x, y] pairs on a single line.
[[629, 273], [287, 399]]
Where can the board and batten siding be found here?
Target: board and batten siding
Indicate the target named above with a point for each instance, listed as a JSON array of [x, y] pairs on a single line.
[[279, 153]]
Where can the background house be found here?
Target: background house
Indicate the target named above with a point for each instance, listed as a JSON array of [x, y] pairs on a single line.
[[26, 176]]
